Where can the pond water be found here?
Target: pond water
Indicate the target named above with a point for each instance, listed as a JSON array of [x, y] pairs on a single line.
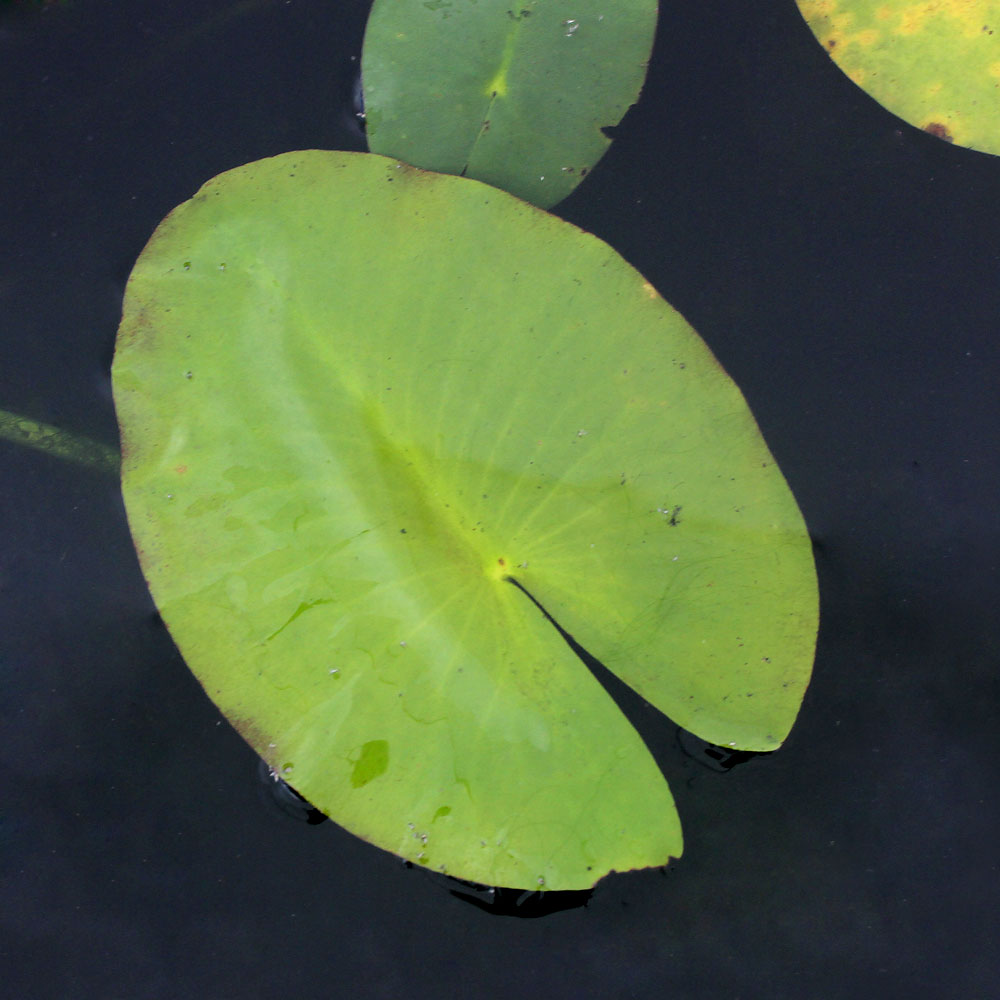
[[843, 268]]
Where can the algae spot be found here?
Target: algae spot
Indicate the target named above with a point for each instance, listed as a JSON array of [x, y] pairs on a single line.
[[373, 761], [300, 610]]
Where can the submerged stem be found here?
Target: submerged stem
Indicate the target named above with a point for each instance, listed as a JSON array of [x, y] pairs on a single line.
[[59, 443]]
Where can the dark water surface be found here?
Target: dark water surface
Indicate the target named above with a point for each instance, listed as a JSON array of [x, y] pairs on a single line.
[[844, 268]]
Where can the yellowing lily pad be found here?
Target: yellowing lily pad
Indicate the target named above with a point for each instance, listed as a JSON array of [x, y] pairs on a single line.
[[934, 63], [362, 406]]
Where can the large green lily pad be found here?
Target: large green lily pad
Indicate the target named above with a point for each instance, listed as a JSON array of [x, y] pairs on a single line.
[[522, 95], [357, 400], [934, 64]]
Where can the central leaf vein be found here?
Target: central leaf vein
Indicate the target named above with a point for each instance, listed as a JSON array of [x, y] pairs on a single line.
[[497, 85]]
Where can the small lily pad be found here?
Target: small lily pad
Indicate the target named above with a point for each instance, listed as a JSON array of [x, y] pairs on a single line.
[[523, 95]]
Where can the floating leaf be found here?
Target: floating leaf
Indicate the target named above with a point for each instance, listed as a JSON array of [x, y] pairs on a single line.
[[934, 63], [357, 402], [522, 96]]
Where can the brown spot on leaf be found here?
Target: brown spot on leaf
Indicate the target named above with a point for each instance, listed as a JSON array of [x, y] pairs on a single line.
[[409, 172], [939, 130], [251, 732]]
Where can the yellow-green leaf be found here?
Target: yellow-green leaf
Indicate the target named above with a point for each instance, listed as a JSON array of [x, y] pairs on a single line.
[[934, 63], [362, 406]]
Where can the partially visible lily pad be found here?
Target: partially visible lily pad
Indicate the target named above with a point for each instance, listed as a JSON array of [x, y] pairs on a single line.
[[512, 94], [934, 64], [358, 401]]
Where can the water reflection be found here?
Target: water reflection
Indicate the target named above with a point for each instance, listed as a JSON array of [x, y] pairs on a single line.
[[710, 755], [506, 902], [279, 796]]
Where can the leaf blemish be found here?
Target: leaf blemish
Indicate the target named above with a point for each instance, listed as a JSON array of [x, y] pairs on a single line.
[[671, 514], [939, 130]]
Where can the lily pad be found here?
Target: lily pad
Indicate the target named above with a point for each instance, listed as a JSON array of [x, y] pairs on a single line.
[[523, 95], [358, 401], [934, 64]]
